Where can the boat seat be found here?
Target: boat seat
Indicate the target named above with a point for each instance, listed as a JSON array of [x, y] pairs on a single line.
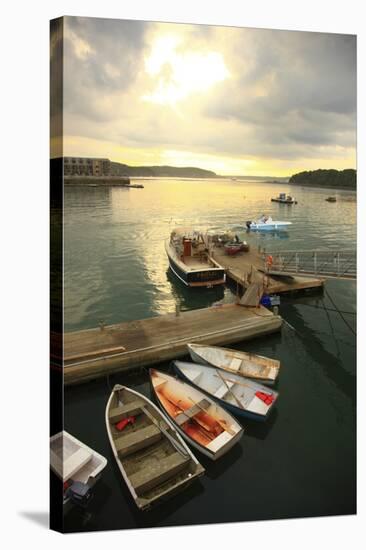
[[133, 441], [223, 390], [68, 467], [122, 411], [158, 472], [182, 417], [235, 363]]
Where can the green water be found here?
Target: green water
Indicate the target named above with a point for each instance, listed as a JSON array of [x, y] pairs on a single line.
[[302, 461]]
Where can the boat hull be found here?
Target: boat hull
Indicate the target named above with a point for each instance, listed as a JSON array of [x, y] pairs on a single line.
[[198, 278]]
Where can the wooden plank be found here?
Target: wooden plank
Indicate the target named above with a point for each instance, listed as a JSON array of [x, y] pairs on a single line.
[[151, 341], [252, 295], [154, 474], [135, 440], [122, 411]]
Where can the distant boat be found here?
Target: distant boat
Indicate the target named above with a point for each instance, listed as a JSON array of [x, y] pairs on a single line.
[[79, 467], [240, 395], [265, 223], [284, 199], [260, 369], [197, 417], [153, 459], [331, 199], [190, 261]]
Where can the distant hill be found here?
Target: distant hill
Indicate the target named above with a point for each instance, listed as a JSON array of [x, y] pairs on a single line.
[[341, 179], [160, 171]]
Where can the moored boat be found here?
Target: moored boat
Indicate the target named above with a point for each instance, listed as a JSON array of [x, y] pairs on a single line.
[[78, 466], [197, 417], [153, 459], [190, 261], [265, 223], [284, 199], [234, 247], [240, 395], [256, 367]]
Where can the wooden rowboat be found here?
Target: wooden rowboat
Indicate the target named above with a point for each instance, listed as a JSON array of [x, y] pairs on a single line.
[[240, 395], [258, 368], [153, 459], [199, 419]]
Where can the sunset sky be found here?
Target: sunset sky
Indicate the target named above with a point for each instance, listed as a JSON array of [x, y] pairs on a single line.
[[233, 100]]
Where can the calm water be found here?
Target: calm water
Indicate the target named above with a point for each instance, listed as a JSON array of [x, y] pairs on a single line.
[[300, 463]]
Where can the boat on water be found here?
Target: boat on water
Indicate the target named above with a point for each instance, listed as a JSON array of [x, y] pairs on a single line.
[[284, 199], [153, 459], [235, 246], [190, 261], [265, 223], [256, 367], [240, 395], [331, 199], [198, 418], [78, 466]]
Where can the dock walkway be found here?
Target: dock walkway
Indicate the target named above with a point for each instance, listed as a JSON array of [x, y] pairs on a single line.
[[249, 267], [126, 346]]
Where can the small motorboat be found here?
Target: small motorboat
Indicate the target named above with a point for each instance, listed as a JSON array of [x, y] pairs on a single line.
[[331, 199], [284, 199], [234, 247], [79, 467], [190, 261], [153, 459], [256, 367], [265, 223], [197, 417], [240, 395]]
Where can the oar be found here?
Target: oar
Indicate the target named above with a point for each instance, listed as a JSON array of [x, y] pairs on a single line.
[[228, 387], [222, 424], [164, 431]]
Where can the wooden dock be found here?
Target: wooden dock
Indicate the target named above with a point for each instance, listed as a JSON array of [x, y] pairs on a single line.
[[126, 346], [248, 267]]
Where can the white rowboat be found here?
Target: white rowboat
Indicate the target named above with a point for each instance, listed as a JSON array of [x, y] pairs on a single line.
[[197, 417], [258, 368]]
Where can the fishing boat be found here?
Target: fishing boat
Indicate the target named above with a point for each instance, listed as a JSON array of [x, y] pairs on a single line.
[[331, 199], [78, 466], [284, 199], [153, 459], [198, 418], [190, 261], [240, 395], [265, 223], [256, 367]]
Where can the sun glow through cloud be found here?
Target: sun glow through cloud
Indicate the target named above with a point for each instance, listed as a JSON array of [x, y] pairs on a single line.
[[178, 74]]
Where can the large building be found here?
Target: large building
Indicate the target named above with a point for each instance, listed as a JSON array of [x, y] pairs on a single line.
[[75, 166]]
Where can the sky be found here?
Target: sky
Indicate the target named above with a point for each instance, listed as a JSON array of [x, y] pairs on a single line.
[[237, 101]]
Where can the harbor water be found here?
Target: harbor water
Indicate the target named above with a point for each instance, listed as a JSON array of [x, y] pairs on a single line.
[[300, 463]]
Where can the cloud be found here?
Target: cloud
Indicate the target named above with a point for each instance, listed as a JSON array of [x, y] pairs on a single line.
[[268, 95]]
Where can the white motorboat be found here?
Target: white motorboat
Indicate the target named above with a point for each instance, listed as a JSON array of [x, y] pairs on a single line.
[[79, 467], [265, 223]]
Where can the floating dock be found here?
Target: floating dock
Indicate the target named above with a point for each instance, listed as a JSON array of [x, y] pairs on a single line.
[[127, 346], [249, 267]]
